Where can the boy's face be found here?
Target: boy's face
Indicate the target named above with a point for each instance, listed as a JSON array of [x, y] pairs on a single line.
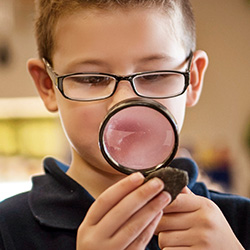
[[117, 42]]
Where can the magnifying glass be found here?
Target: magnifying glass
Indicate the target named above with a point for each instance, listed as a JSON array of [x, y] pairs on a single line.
[[138, 135]]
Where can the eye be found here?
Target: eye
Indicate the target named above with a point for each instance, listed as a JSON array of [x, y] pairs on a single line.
[[91, 79], [152, 77]]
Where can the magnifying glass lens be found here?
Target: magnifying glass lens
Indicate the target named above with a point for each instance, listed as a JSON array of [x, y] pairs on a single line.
[[139, 138]]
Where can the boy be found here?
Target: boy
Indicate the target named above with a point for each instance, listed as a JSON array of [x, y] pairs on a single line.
[[93, 206]]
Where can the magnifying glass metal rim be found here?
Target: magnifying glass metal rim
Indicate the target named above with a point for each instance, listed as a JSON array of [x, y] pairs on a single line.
[[135, 102]]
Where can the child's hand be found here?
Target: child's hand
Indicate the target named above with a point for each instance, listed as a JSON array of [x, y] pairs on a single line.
[[195, 222], [125, 216]]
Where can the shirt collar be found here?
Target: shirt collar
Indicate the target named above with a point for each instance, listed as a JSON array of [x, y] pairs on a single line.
[[188, 165], [56, 200]]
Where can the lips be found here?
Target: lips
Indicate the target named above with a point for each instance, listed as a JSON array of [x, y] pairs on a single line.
[[139, 138]]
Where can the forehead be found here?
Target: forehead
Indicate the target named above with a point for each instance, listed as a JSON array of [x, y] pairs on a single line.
[[121, 33]]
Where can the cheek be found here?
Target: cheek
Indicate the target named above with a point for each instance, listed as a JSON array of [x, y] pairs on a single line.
[[177, 107], [81, 124]]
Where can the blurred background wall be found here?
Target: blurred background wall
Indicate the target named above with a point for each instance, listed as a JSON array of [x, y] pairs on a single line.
[[215, 131], [219, 121]]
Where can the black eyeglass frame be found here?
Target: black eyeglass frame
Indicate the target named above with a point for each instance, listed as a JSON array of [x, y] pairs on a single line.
[[58, 80]]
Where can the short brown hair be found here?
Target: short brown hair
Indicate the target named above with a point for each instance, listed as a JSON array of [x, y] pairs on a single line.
[[49, 11]]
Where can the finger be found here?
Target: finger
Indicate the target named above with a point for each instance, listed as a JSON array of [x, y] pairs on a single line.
[[184, 203], [135, 226], [175, 221], [176, 239], [143, 239], [132, 203], [186, 190], [110, 197]]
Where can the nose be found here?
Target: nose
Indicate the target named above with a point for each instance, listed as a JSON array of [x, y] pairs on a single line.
[[123, 91]]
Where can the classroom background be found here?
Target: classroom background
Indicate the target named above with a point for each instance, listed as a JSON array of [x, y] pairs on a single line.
[[216, 132]]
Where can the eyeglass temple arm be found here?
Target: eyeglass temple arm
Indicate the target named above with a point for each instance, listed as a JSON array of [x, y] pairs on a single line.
[[190, 58], [50, 72]]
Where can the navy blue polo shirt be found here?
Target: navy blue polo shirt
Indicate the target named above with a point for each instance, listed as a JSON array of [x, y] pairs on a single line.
[[48, 216]]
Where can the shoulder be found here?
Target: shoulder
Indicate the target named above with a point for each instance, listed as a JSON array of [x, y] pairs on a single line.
[[235, 201], [11, 208], [235, 208], [15, 217], [18, 200], [229, 204]]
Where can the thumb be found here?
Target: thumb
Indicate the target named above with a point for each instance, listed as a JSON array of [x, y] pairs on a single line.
[[186, 190]]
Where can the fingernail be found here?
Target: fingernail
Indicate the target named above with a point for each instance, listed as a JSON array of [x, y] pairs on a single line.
[[155, 183], [136, 177], [165, 196]]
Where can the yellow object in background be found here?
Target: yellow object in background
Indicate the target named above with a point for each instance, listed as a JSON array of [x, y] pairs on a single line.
[[32, 137]]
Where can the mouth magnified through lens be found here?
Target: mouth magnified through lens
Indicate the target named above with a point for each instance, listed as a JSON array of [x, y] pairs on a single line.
[[138, 135]]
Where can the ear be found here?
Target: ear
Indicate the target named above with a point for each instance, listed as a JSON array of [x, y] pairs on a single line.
[[43, 83], [197, 73]]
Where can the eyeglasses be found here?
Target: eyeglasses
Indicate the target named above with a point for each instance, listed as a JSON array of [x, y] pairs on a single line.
[[160, 84]]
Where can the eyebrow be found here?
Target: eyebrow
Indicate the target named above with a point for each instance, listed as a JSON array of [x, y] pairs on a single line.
[[101, 63], [90, 62], [157, 57]]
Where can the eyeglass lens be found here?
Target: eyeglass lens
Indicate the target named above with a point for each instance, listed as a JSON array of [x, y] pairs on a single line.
[[159, 85]]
